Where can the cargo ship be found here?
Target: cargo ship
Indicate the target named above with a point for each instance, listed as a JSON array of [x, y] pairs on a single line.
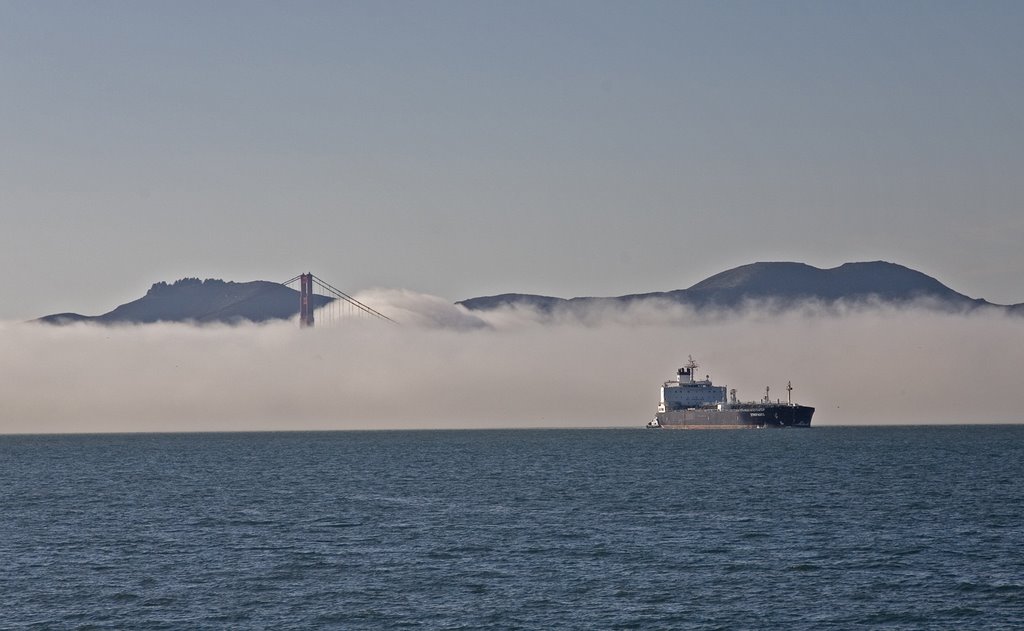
[[687, 403]]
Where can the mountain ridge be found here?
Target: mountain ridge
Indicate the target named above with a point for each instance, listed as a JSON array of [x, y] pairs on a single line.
[[201, 301], [781, 284], [775, 286]]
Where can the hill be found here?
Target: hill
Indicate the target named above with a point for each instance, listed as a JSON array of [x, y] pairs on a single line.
[[201, 301], [778, 285], [775, 285]]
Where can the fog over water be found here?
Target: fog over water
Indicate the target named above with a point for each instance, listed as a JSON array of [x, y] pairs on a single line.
[[446, 367]]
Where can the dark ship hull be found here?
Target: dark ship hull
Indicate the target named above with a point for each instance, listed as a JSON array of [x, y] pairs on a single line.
[[742, 416]]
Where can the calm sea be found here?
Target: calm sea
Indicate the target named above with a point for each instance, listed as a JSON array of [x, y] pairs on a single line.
[[827, 528]]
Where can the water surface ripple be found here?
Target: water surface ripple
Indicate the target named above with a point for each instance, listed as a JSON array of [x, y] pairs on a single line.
[[827, 528]]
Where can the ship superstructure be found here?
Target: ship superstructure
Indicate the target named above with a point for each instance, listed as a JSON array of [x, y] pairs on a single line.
[[689, 403]]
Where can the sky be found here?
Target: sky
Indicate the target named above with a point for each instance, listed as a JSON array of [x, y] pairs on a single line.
[[419, 153], [467, 148]]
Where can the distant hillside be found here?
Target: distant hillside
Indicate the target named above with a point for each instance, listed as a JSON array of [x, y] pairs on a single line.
[[773, 285], [780, 285], [201, 301]]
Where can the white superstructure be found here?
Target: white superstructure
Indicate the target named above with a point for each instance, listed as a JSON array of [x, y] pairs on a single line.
[[687, 392]]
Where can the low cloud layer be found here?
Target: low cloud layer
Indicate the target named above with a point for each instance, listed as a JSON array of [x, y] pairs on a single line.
[[446, 367]]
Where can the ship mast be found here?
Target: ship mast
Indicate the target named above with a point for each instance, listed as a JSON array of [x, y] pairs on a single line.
[[692, 366], [789, 391]]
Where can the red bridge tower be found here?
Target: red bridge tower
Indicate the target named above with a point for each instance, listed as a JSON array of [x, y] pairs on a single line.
[[306, 300]]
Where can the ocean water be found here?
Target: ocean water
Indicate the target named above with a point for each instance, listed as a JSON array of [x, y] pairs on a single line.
[[827, 528]]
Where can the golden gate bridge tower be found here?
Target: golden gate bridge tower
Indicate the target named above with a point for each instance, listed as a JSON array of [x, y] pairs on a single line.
[[306, 300], [332, 304]]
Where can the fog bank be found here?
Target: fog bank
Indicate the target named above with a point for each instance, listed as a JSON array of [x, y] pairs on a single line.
[[444, 367]]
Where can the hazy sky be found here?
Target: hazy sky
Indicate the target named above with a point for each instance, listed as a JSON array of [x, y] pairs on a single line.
[[469, 148]]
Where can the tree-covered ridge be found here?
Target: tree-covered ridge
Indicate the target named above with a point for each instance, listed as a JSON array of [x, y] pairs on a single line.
[[188, 281], [192, 299]]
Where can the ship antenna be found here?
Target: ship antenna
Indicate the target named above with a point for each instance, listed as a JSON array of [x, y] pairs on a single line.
[[692, 365], [789, 391]]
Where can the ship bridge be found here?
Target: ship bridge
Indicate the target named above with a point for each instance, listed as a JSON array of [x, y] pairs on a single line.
[[686, 392]]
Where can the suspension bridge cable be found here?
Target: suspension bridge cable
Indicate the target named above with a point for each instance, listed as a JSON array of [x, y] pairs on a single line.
[[349, 299], [209, 315]]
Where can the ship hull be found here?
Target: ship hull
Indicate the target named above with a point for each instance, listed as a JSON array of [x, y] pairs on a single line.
[[739, 417]]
